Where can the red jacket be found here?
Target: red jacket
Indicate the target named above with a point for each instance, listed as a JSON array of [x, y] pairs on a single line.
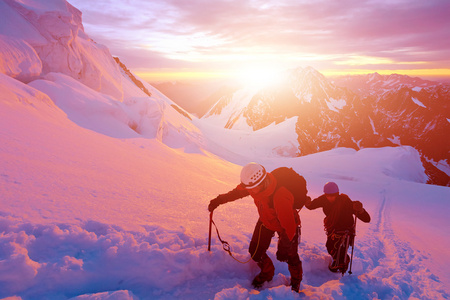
[[276, 215]]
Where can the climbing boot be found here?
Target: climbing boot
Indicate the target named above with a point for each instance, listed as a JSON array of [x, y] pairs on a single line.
[[296, 276], [266, 274]]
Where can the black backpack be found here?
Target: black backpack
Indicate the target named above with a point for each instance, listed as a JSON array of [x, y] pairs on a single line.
[[294, 182]]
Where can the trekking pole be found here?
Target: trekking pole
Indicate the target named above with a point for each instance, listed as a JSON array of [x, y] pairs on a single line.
[[210, 227], [353, 246]]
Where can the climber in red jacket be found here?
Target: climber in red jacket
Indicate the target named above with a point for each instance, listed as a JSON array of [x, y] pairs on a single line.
[[276, 214]]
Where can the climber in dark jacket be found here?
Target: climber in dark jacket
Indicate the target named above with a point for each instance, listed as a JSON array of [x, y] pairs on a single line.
[[339, 223]]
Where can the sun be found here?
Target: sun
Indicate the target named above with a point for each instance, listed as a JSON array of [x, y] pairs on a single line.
[[258, 77]]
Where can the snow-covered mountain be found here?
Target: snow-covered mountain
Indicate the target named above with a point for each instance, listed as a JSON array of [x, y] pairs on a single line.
[[385, 111], [104, 185], [375, 84], [193, 96], [49, 50]]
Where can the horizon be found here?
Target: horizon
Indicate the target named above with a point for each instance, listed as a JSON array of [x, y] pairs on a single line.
[[174, 41], [196, 78]]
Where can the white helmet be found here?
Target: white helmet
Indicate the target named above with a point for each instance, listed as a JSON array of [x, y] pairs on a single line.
[[252, 175]]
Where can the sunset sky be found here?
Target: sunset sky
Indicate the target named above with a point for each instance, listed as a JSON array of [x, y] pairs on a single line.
[[175, 39]]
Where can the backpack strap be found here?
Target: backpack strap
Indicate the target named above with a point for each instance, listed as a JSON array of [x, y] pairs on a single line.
[[278, 185]]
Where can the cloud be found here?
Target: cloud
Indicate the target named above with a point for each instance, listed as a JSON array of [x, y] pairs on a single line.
[[174, 31]]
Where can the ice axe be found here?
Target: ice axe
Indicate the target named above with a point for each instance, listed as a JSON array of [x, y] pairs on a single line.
[[210, 227], [353, 246]]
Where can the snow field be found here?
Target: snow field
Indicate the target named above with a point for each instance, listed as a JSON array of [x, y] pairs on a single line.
[[71, 260]]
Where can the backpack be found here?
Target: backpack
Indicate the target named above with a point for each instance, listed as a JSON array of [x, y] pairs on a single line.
[[294, 182]]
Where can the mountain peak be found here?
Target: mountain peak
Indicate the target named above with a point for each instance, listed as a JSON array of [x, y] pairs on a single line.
[[307, 72], [374, 83]]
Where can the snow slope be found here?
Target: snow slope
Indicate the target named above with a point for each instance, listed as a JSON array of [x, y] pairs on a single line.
[[83, 213], [104, 189], [250, 143]]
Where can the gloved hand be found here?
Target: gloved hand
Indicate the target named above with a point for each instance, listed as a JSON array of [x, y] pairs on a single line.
[[358, 207], [214, 203], [307, 201]]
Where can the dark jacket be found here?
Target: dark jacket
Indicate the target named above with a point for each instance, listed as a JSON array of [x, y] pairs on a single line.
[[339, 214]]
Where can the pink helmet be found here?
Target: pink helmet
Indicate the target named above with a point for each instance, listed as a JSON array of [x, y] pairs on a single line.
[[330, 188]]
